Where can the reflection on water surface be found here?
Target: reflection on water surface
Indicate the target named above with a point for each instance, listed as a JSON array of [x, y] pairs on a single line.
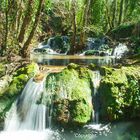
[[63, 60]]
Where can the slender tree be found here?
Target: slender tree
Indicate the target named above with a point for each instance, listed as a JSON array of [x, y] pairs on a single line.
[[107, 14], [26, 21], [25, 49], [73, 41], [85, 21], [114, 13], [121, 13], [6, 30]]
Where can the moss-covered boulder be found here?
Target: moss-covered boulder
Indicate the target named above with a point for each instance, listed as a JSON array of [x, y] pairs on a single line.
[[2, 69], [120, 93], [19, 79], [59, 44], [70, 93], [92, 52]]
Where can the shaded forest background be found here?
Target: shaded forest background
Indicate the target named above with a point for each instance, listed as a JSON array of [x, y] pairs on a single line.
[[24, 23]]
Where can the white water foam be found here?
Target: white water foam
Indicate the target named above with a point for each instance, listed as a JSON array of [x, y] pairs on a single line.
[[120, 50], [96, 84], [27, 135]]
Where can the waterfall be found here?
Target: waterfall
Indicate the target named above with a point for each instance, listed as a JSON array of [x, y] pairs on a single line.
[[27, 119], [98, 128], [96, 102], [120, 50], [25, 112]]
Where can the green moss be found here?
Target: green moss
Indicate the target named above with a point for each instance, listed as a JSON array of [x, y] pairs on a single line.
[[71, 90], [80, 112], [20, 78], [2, 69], [17, 84], [120, 94], [30, 70], [91, 52]]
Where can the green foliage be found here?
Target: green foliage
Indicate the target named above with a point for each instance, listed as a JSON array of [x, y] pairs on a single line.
[[97, 10], [92, 18], [94, 30]]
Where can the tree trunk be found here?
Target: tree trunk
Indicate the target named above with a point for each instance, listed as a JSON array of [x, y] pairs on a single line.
[[108, 14], [85, 21], [126, 7], [73, 41], [18, 18], [114, 13], [26, 21], [25, 49], [121, 12], [4, 46]]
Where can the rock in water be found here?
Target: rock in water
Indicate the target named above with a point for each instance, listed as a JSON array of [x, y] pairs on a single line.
[[120, 93], [70, 91]]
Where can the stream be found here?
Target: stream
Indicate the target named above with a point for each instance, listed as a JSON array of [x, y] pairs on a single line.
[[30, 121]]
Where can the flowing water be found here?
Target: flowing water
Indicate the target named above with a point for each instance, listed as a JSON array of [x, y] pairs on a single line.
[[25, 113], [120, 51], [96, 102], [32, 121], [27, 119]]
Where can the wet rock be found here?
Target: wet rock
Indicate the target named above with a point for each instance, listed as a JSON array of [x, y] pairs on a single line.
[[92, 52], [120, 93], [57, 44], [71, 93], [2, 69]]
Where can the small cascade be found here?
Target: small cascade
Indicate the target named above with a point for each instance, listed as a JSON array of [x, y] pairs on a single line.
[[49, 110], [49, 42], [96, 103], [26, 113], [120, 50], [54, 45], [96, 126]]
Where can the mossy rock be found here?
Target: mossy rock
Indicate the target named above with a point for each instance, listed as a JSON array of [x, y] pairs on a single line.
[[92, 52], [20, 78], [2, 69], [71, 93], [120, 93], [57, 44]]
